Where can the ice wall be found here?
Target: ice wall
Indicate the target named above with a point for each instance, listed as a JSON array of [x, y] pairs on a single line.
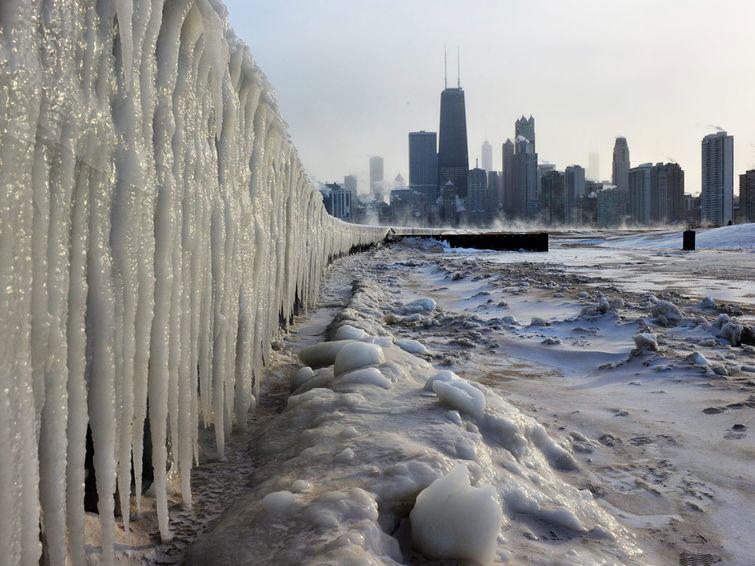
[[155, 223]]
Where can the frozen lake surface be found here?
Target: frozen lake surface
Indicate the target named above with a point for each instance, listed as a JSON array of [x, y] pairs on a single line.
[[588, 405]]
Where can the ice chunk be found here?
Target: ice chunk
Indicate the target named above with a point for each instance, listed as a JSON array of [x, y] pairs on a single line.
[[442, 375], [348, 332], [452, 520], [300, 377], [645, 341], [322, 354], [461, 395], [411, 346], [366, 376], [279, 502], [667, 312], [419, 306], [355, 355]]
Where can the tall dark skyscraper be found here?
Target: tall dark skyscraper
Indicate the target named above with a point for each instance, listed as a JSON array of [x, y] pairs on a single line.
[[453, 153], [507, 177], [525, 200], [717, 196], [620, 172], [423, 164], [747, 196], [525, 127]]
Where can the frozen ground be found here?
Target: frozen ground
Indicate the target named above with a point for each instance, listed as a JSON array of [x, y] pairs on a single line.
[[568, 407]]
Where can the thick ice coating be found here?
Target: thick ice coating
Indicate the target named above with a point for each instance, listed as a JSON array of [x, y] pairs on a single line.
[[452, 520], [156, 225]]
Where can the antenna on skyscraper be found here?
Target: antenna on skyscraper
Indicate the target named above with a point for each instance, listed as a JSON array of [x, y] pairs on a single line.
[[445, 66], [458, 68]]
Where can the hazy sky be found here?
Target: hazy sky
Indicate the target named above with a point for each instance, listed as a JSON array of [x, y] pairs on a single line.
[[353, 77]]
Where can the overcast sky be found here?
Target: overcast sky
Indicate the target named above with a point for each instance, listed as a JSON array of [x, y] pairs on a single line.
[[353, 77]]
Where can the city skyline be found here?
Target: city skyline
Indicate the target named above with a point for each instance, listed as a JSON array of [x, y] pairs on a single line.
[[336, 129]]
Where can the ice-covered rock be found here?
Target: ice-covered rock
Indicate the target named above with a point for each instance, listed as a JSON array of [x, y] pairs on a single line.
[[453, 520], [365, 376], [667, 313], [303, 375], [323, 353], [419, 306], [645, 342], [348, 332], [355, 355], [461, 395]]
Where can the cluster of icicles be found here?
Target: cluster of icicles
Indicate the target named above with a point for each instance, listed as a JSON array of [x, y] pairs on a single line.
[[156, 225]]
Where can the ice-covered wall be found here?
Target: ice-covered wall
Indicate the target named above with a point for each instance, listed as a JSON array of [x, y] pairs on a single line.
[[155, 222]]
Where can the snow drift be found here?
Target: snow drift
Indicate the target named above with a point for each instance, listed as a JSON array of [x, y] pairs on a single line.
[[156, 224]]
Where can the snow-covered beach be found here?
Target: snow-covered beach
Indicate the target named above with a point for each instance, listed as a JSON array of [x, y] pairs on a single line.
[[498, 407]]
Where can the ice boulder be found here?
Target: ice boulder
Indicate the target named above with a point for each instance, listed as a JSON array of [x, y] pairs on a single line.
[[357, 355], [411, 346], [461, 395], [667, 313], [645, 342], [322, 354], [452, 520], [418, 306], [348, 332], [366, 376], [301, 377]]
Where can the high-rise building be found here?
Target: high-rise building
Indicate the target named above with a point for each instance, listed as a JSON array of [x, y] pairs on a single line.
[[423, 165], [747, 196], [376, 176], [337, 200], [495, 194], [552, 199], [448, 210], [524, 194], [525, 127], [640, 191], [574, 189], [350, 184], [507, 177], [542, 169], [717, 196], [611, 209], [453, 154], [620, 172], [593, 166], [477, 197], [486, 156], [667, 194]]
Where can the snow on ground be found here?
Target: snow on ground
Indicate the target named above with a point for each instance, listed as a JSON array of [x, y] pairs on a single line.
[[547, 409], [736, 237]]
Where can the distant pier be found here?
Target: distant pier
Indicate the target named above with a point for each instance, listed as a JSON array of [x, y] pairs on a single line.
[[481, 240]]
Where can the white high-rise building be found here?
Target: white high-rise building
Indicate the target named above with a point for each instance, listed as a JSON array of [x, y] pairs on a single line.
[[593, 166], [717, 196], [487, 156]]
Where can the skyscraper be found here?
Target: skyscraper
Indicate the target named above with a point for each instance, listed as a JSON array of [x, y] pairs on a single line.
[[593, 166], [524, 195], [542, 169], [620, 172], [717, 196], [376, 176], [423, 164], [453, 152], [525, 127], [477, 197], [350, 184], [747, 196], [507, 177], [611, 208], [640, 190], [453, 156], [574, 189], [667, 194], [552, 197], [486, 155]]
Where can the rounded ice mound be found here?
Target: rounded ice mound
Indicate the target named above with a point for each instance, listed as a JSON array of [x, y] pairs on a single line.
[[301, 377], [461, 395], [366, 376], [348, 332], [420, 305], [356, 355], [411, 346], [453, 520], [322, 354]]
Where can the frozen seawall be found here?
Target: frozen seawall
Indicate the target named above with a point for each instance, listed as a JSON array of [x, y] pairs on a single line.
[[156, 225]]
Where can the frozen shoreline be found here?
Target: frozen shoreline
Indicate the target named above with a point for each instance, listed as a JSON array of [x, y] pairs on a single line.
[[661, 441]]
